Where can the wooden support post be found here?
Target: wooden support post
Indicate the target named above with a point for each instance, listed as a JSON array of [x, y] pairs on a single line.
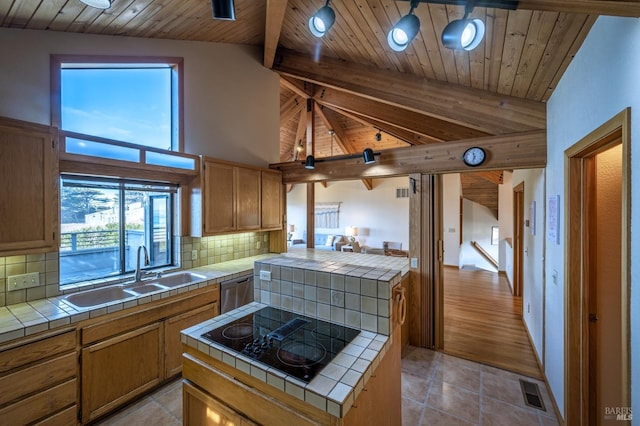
[[311, 214]]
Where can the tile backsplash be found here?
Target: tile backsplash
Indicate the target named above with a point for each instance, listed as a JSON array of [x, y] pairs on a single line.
[[208, 250]]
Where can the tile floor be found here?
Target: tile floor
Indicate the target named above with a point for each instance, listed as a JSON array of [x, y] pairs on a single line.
[[437, 389]]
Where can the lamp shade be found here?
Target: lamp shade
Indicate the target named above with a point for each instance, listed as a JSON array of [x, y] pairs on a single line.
[[368, 155], [351, 231], [463, 34], [322, 21], [223, 9], [310, 162], [98, 4], [403, 32]]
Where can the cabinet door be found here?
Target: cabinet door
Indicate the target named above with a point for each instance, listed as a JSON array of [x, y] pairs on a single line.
[[219, 198], [271, 200], [118, 369], [248, 207], [172, 328], [29, 196]]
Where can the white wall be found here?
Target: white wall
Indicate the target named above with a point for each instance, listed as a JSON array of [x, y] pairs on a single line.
[[533, 274], [451, 218], [600, 82], [477, 221], [231, 102], [378, 214]]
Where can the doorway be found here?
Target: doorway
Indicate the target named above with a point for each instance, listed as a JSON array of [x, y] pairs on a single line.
[[597, 381], [518, 233]]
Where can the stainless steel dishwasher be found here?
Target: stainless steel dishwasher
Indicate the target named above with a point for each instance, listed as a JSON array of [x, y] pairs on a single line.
[[235, 293]]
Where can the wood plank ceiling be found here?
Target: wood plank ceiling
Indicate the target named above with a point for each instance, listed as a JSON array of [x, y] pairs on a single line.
[[426, 94]]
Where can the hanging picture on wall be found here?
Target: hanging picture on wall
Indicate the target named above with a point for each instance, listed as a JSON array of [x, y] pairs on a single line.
[[553, 224], [532, 218]]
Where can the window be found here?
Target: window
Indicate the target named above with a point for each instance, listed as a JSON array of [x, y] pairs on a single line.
[[130, 100], [104, 221]]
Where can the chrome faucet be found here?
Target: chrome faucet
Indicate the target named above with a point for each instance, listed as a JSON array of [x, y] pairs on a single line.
[[139, 272]]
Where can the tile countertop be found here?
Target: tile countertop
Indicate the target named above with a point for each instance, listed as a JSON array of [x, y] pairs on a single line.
[[25, 319], [333, 390]]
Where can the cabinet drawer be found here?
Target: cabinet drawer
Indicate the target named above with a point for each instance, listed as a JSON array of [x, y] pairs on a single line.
[[40, 376], [66, 417], [28, 353], [40, 405]]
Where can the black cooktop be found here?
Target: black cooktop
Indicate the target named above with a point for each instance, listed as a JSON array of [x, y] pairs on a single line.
[[295, 344]]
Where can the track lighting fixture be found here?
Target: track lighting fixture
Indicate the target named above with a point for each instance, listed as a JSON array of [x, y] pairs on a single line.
[[310, 163], [378, 136], [223, 9], [368, 156], [464, 34], [98, 4], [403, 33], [322, 20]]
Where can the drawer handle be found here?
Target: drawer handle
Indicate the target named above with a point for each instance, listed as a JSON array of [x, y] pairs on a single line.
[[401, 304]]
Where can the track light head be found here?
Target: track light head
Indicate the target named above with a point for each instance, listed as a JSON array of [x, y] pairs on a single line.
[[378, 136], [368, 156], [98, 4], [403, 32], [463, 34], [322, 20], [223, 9], [310, 163]]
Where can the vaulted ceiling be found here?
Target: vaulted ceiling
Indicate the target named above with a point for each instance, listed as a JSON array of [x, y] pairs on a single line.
[[359, 87]]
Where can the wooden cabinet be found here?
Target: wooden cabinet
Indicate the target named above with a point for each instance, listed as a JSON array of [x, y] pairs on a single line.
[[119, 368], [38, 379], [271, 200], [127, 353], [232, 197], [202, 409], [172, 342], [29, 176]]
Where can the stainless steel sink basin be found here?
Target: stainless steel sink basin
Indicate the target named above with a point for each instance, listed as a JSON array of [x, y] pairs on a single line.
[[146, 288], [86, 299], [178, 279]]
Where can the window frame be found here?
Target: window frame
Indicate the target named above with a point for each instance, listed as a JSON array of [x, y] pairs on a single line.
[[177, 107]]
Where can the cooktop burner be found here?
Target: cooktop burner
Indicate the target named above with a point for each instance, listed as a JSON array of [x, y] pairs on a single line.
[[295, 344]]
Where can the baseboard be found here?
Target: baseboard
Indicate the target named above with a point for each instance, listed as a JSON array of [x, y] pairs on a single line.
[[504, 274], [559, 417]]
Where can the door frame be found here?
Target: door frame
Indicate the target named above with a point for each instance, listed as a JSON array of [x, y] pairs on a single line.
[[518, 239], [576, 384]]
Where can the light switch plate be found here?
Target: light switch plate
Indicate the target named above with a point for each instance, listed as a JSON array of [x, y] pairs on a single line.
[[22, 281], [265, 275], [414, 262]]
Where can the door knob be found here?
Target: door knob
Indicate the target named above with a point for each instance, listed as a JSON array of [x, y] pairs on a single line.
[[593, 317]]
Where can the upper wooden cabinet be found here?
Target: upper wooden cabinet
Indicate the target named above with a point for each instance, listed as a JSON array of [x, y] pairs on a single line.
[[233, 197], [29, 194]]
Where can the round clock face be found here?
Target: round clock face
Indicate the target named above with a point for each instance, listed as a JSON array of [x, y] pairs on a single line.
[[474, 156]]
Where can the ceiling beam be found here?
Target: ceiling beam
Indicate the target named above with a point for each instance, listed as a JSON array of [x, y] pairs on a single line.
[[420, 124], [299, 87], [481, 110], [290, 108], [273, 26], [302, 128], [514, 151], [330, 119], [404, 135], [587, 7]]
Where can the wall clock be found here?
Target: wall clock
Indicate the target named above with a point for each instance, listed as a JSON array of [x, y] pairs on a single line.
[[474, 156]]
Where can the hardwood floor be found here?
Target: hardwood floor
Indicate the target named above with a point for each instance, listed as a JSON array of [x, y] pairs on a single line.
[[483, 322]]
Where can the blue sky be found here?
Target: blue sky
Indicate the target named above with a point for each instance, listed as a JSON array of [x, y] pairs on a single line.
[[129, 105]]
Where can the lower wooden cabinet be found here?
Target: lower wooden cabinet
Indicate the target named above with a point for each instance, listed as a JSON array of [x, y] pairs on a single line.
[[38, 380], [202, 409], [117, 369], [172, 342]]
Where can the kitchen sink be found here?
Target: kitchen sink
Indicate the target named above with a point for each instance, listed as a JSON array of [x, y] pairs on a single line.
[[86, 299], [178, 279], [146, 288]]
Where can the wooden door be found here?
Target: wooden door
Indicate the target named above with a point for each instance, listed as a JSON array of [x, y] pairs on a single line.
[[29, 176], [271, 200], [518, 238], [219, 198], [248, 199]]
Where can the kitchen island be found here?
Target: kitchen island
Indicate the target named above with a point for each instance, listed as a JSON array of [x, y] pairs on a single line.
[[359, 385]]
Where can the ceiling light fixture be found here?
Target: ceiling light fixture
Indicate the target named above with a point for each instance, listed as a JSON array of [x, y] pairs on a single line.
[[403, 33], [368, 155], [322, 20], [464, 34], [98, 4], [310, 163], [223, 9]]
